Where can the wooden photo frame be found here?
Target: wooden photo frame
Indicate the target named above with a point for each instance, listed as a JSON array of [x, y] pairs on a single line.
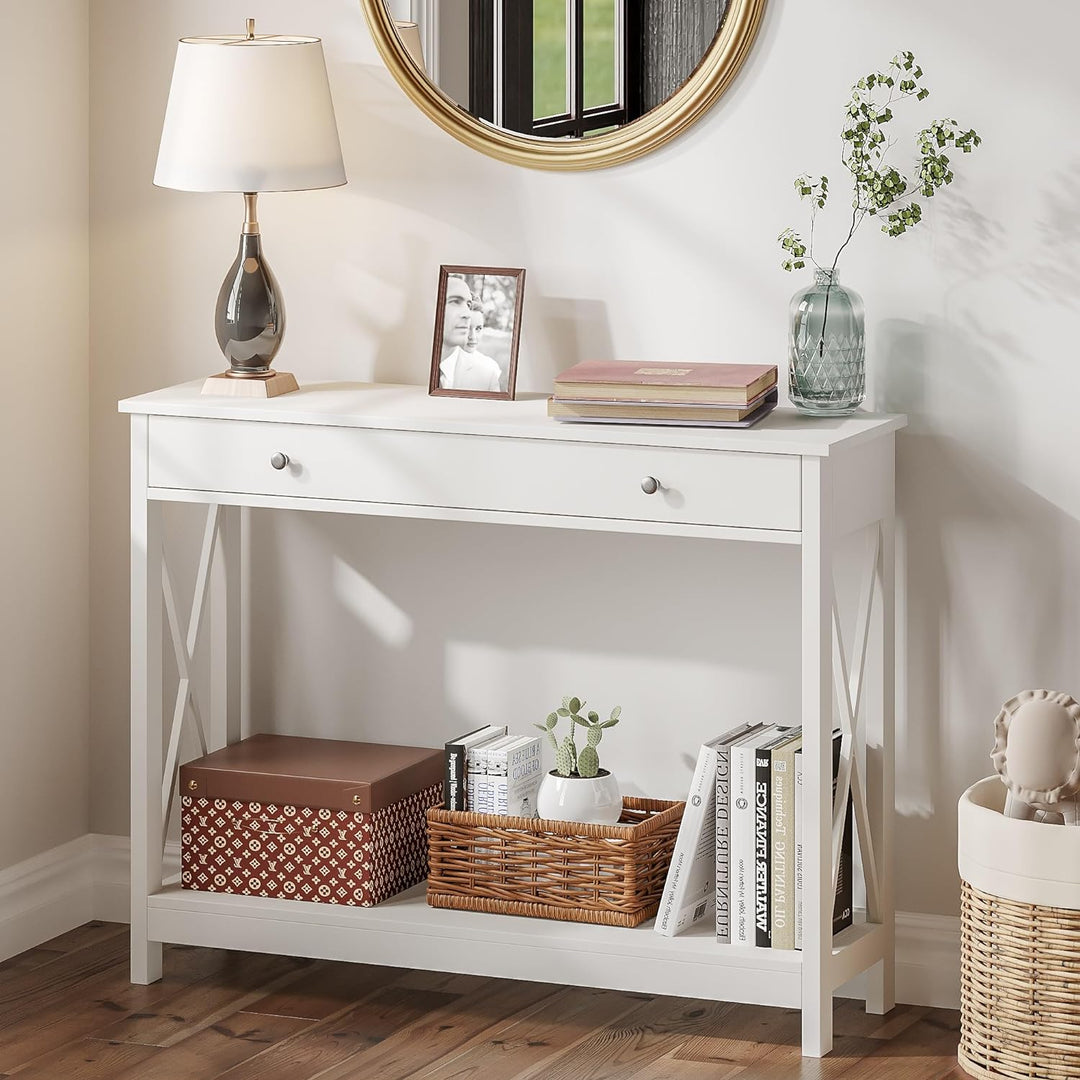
[[477, 332]]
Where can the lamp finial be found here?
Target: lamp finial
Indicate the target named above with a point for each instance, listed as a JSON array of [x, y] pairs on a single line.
[[251, 29]]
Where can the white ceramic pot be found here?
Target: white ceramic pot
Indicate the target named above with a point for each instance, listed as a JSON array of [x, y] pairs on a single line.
[[592, 799]]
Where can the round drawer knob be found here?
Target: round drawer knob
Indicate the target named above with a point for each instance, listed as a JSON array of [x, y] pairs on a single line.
[[279, 460], [650, 485]]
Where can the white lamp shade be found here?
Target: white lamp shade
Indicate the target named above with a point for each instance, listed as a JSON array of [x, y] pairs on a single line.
[[249, 115]]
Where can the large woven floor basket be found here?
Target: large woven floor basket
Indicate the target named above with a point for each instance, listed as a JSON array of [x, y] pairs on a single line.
[[1019, 944], [609, 874]]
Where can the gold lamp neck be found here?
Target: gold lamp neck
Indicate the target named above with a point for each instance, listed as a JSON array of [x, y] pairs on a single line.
[[251, 217], [251, 29]]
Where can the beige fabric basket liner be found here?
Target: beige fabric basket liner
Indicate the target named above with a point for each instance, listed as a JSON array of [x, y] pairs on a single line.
[[1028, 861]]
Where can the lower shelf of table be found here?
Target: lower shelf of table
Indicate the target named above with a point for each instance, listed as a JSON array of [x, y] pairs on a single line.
[[406, 932]]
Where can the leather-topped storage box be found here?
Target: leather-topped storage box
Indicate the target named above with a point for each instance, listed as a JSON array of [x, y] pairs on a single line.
[[322, 820]]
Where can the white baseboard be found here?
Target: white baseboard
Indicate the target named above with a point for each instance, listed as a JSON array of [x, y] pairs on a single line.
[[927, 962], [51, 893], [46, 895], [112, 879], [88, 879]]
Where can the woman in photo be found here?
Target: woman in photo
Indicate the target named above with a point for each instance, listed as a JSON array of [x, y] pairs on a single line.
[[461, 368], [476, 328]]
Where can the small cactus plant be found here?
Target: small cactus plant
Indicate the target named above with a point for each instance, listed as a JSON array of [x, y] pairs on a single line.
[[569, 761]]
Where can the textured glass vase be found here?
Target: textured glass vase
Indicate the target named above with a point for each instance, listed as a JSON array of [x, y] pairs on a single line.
[[826, 348]]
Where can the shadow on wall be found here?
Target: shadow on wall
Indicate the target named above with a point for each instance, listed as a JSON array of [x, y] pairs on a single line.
[[412, 631], [984, 565], [1053, 271], [573, 330]]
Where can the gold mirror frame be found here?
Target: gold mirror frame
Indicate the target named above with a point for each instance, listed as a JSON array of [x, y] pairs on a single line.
[[708, 81]]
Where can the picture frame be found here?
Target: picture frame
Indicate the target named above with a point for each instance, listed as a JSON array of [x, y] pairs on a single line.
[[477, 332]]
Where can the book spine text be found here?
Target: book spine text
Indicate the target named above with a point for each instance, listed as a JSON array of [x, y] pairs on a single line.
[[723, 844], [762, 825]]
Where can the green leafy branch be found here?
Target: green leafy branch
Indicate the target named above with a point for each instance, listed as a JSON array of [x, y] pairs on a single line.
[[878, 188], [568, 762]]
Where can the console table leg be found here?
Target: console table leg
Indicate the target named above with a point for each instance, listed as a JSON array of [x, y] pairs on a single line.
[[881, 978], [227, 663], [817, 715], [146, 711]]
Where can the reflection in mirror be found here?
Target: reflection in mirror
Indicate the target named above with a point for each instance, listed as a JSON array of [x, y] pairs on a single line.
[[558, 68]]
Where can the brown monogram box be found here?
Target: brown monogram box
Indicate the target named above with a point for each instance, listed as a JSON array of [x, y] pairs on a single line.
[[308, 819]]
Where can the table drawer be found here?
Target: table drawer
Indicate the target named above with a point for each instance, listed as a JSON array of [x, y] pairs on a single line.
[[534, 476]]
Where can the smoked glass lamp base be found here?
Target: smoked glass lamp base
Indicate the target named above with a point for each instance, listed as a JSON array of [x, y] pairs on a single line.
[[250, 317]]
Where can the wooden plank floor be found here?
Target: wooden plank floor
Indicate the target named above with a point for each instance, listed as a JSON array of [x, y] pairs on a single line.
[[68, 1010]]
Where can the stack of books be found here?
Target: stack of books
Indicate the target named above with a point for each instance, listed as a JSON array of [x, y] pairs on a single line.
[[503, 776], [642, 392], [738, 855], [488, 771]]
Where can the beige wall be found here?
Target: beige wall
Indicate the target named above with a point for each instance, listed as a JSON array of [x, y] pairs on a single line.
[[454, 49], [409, 630], [44, 442]]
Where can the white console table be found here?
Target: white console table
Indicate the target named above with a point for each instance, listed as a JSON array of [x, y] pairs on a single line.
[[393, 450]]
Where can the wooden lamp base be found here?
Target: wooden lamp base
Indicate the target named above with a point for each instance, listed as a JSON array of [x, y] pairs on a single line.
[[263, 386]]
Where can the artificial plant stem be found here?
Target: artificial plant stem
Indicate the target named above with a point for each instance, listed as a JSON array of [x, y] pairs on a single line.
[[832, 274]]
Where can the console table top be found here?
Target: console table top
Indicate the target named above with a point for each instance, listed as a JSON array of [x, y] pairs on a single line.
[[411, 408]]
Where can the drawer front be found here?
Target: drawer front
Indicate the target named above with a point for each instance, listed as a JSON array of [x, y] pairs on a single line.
[[476, 472]]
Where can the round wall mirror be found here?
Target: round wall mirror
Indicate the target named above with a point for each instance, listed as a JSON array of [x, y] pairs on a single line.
[[564, 84]]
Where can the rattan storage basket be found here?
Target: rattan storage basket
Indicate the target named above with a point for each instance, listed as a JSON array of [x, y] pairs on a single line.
[[609, 874], [1019, 943]]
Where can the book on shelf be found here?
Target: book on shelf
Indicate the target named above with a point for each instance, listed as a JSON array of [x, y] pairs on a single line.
[[649, 381], [843, 901], [843, 916], [782, 841], [798, 848], [665, 411], [722, 874], [504, 776], [764, 829], [690, 887], [743, 822], [455, 775]]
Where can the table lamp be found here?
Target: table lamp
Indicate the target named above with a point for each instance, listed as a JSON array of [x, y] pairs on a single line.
[[249, 114]]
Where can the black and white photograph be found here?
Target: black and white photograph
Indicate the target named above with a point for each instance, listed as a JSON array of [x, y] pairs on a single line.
[[477, 329]]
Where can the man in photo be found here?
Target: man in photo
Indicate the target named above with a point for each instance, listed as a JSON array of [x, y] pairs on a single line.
[[460, 368]]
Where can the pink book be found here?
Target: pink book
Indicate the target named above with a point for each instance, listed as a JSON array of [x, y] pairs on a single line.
[[644, 380]]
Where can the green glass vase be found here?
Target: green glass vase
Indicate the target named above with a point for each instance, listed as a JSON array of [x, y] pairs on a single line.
[[826, 348]]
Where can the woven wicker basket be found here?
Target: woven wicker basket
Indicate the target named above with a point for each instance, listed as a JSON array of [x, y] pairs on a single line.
[[1019, 957], [609, 874]]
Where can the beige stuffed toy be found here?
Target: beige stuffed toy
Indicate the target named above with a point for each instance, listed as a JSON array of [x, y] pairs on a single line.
[[1037, 755]]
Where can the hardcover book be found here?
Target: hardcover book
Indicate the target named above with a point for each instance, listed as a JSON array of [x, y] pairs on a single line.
[[783, 871], [454, 780], [690, 888], [798, 849], [763, 837], [743, 887], [723, 832], [710, 412], [647, 381], [759, 413], [504, 776], [844, 899], [842, 906]]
